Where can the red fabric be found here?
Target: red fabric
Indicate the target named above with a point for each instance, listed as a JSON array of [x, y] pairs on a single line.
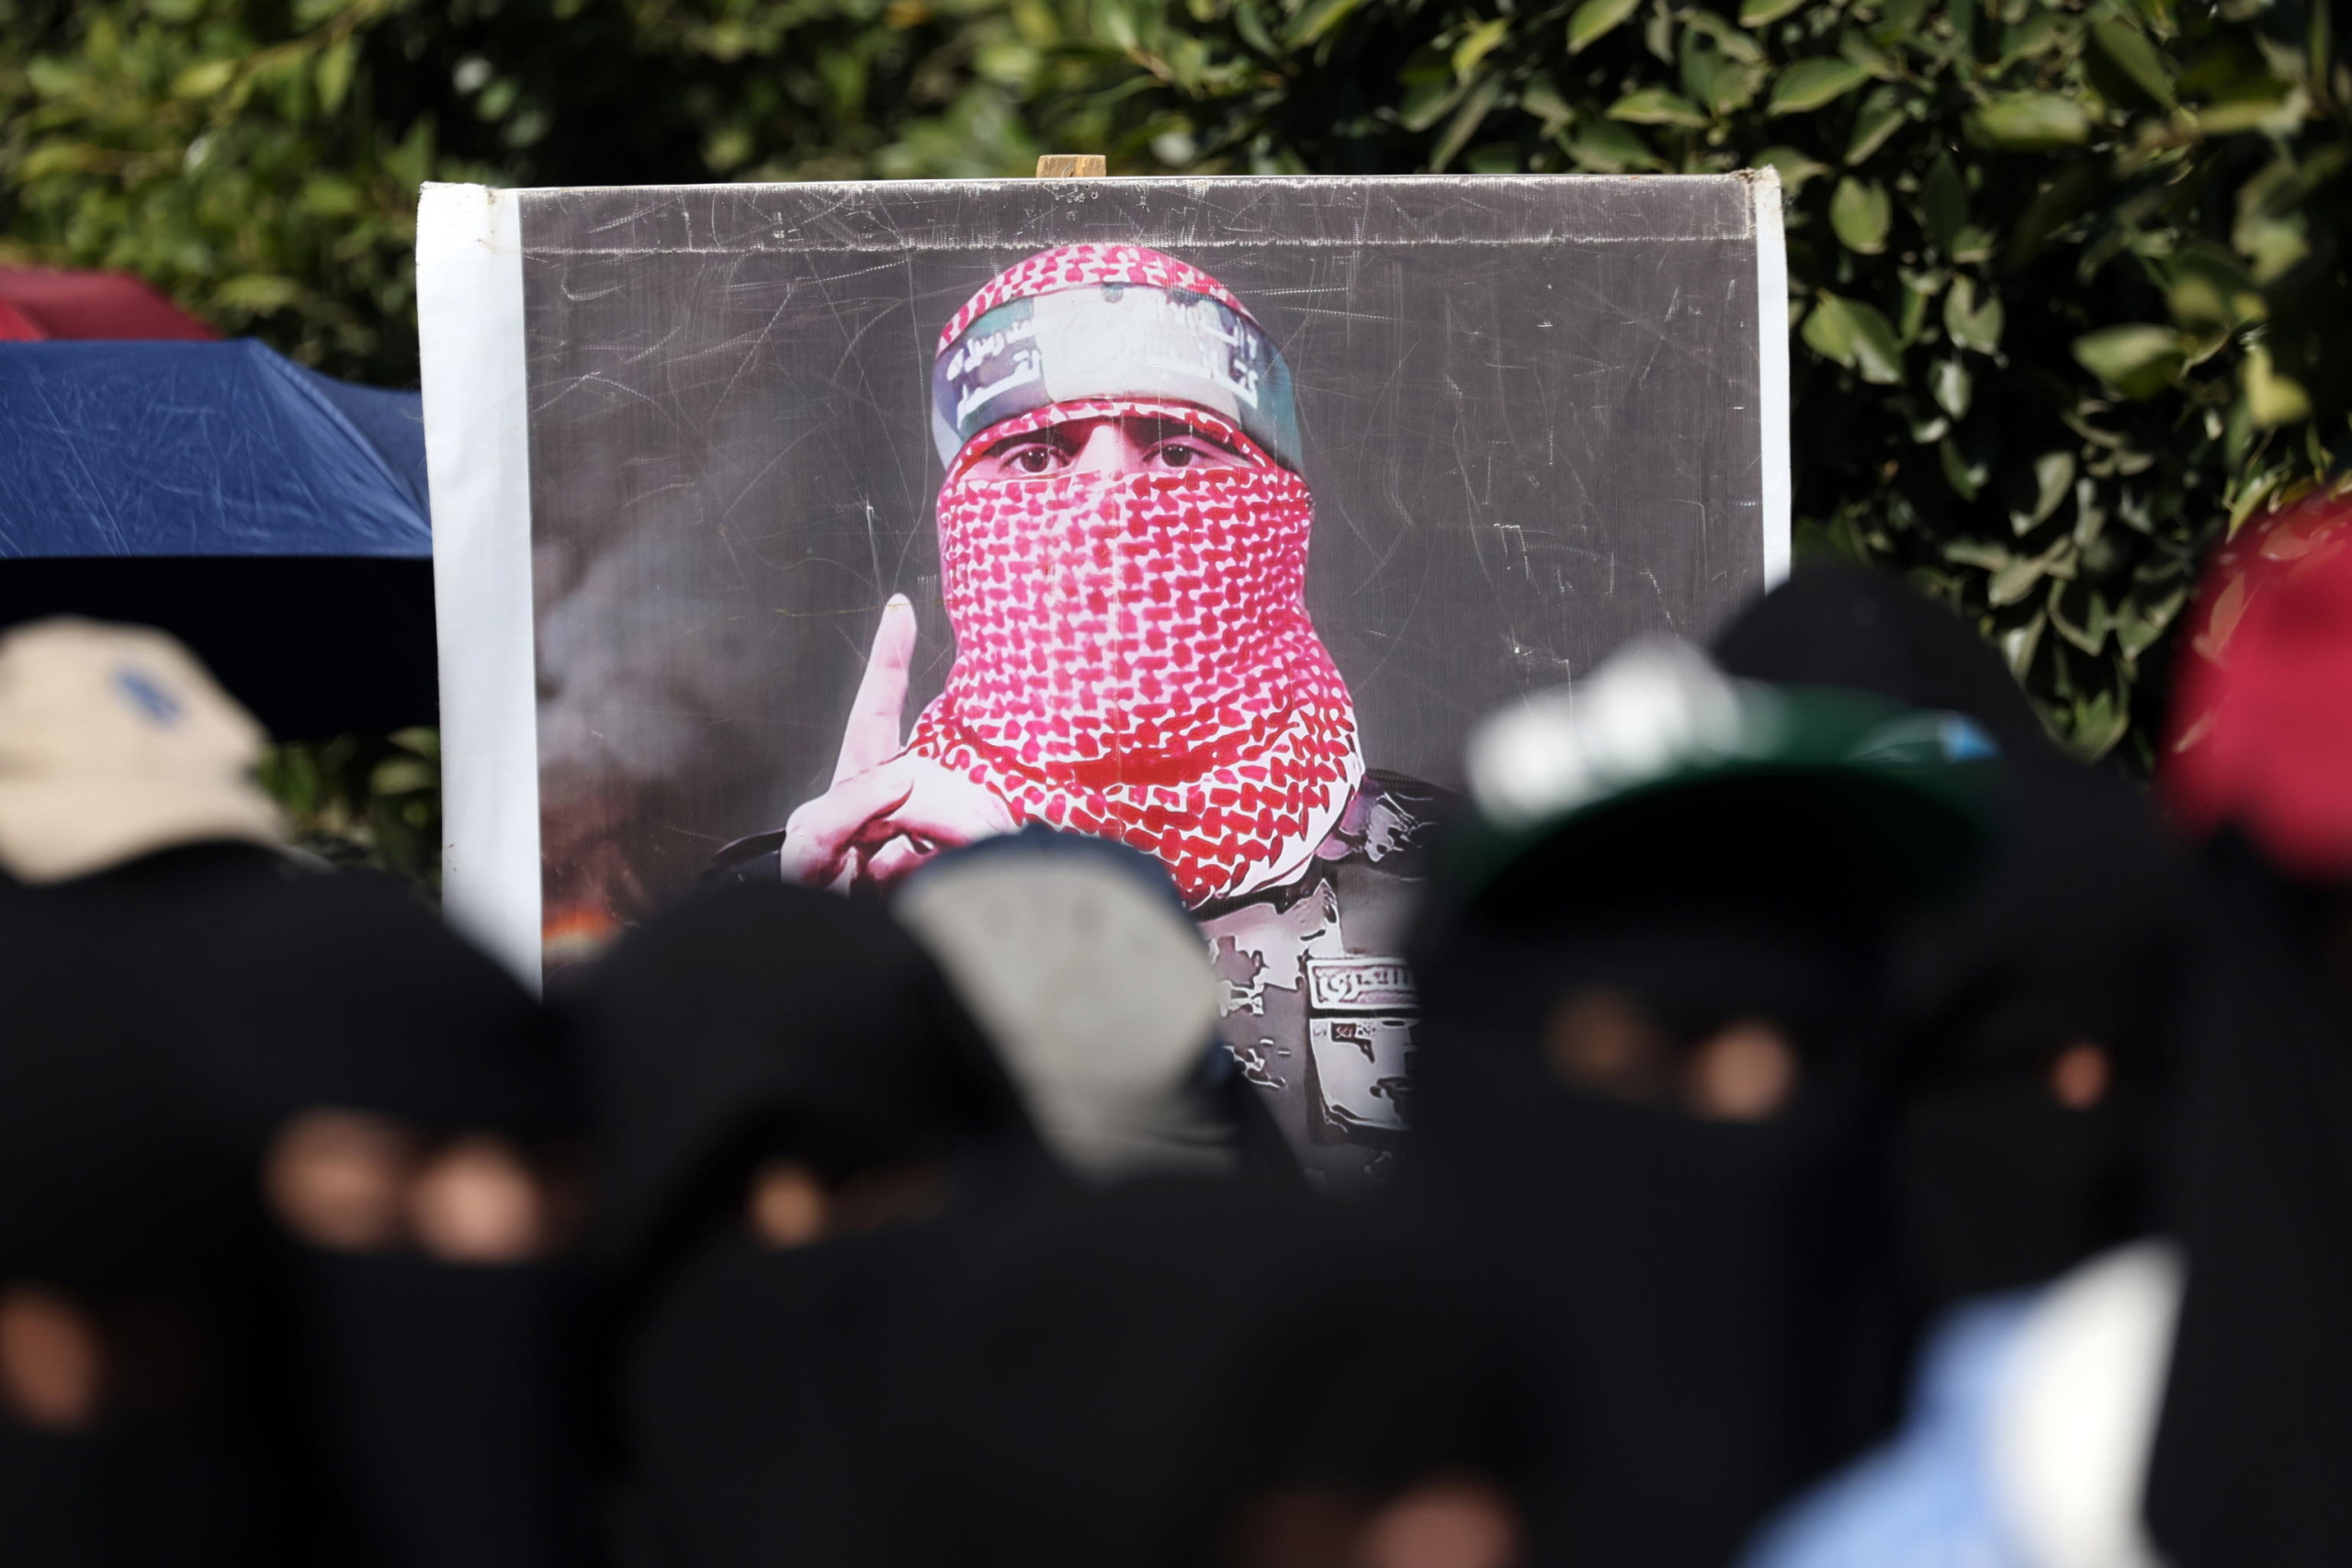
[[1076, 266], [95, 305], [1133, 658], [2261, 726], [16, 327]]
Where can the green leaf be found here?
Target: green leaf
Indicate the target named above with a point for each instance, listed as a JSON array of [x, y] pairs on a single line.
[[1969, 324], [1252, 28], [1428, 100], [1898, 20], [2018, 578], [2030, 122], [2015, 580], [2098, 724], [1855, 335], [1881, 116], [1319, 19], [2208, 287], [2017, 645], [1918, 289], [1717, 78], [256, 292], [2090, 635], [1467, 121], [204, 80], [1725, 37], [332, 195], [1759, 13], [403, 775], [2138, 361], [1594, 18], [2271, 399], [1543, 101], [1608, 148], [2053, 475], [1483, 41], [1868, 56], [1943, 202], [1861, 212], [1950, 384], [1810, 84], [1964, 476], [1656, 105], [331, 75], [1794, 167], [1982, 554], [2129, 50]]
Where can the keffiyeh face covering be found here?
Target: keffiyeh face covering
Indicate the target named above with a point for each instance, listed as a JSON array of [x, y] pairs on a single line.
[[1134, 657]]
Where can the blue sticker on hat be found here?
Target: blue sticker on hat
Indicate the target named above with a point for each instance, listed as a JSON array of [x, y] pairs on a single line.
[[154, 700]]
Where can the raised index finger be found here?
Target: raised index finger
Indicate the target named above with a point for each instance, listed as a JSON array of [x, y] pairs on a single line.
[[873, 734]]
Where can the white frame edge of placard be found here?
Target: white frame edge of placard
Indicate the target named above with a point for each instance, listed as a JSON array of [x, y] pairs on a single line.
[[1772, 369], [477, 442]]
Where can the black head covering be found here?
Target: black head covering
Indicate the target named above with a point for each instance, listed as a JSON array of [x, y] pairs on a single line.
[[2255, 1436], [1836, 624], [1704, 1287], [2071, 939], [768, 1021], [168, 1016], [763, 1017], [1705, 1323], [1034, 1372]]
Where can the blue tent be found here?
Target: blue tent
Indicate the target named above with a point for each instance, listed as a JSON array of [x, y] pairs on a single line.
[[202, 449], [273, 518]]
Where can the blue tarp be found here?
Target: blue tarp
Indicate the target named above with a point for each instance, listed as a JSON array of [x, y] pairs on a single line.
[[202, 449]]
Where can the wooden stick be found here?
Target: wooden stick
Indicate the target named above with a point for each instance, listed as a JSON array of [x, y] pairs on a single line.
[[1072, 166]]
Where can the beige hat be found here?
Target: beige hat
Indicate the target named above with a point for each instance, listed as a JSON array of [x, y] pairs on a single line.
[[114, 741]]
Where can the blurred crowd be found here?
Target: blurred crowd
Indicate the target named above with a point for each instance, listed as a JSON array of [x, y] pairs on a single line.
[[1846, 1132]]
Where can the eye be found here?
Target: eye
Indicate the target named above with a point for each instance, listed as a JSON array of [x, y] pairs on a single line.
[[1036, 459], [1184, 449]]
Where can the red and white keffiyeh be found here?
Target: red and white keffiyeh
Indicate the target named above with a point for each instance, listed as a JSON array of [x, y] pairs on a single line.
[[1133, 653]]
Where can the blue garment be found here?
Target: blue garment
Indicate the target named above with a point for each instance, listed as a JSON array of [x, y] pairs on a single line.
[[1924, 1499], [179, 449]]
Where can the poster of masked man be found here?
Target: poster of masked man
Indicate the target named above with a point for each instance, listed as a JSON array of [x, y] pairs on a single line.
[[803, 532]]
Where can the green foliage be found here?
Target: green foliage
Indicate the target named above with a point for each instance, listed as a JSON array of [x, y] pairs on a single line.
[[2062, 272], [259, 159], [364, 800]]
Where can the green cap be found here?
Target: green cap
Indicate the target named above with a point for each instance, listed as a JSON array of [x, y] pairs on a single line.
[[1658, 773]]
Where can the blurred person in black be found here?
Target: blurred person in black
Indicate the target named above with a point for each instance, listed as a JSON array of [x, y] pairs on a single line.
[[2255, 1438], [2184, 1399], [2034, 1013], [1656, 1061], [866, 1315], [268, 1199]]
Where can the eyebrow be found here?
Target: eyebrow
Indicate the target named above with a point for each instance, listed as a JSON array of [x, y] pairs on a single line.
[[1161, 428], [1047, 434]]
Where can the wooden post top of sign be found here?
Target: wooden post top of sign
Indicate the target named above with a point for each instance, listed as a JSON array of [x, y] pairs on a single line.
[[1072, 166]]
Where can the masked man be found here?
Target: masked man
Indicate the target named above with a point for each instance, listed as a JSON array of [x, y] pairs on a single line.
[[1123, 538]]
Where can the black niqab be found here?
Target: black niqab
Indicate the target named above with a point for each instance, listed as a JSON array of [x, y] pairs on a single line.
[[2073, 938], [168, 1016], [2255, 1441], [760, 1022], [1704, 1312]]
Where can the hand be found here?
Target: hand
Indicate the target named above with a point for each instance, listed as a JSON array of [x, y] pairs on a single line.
[[886, 813]]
